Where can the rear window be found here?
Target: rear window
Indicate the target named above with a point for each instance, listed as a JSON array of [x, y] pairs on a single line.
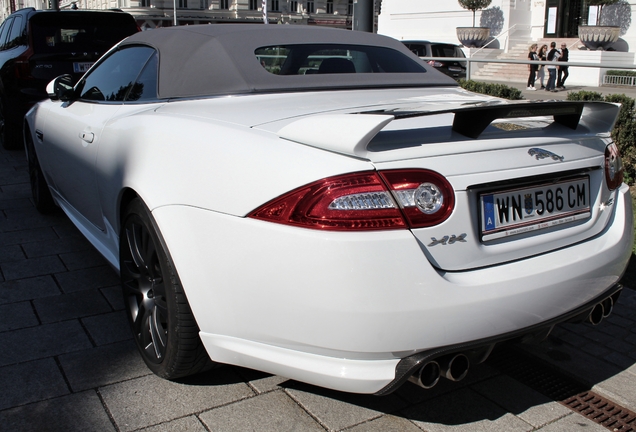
[[417, 49], [309, 59], [64, 32], [441, 50]]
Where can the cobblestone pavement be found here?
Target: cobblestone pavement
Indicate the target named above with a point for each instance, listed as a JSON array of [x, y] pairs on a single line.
[[68, 362]]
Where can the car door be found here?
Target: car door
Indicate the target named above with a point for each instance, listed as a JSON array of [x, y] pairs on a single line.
[[73, 129]]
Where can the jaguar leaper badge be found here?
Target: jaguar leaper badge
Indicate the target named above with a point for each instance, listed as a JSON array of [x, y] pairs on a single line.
[[539, 153]]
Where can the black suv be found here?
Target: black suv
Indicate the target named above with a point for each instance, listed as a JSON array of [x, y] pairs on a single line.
[[452, 68], [39, 45]]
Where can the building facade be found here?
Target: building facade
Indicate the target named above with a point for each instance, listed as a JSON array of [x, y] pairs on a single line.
[[160, 13], [514, 25], [510, 21]]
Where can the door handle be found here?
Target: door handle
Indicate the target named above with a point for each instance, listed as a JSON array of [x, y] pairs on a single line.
[[87, 136]]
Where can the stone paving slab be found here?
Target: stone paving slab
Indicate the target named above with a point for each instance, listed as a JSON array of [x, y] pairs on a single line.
[[78, 412], [464, 410], [574, 423], [30, 382], [150, 400], [271, 412], [46, 340], [27, 289], [337, 411], [185, 424], [97, 367], [522, 401]]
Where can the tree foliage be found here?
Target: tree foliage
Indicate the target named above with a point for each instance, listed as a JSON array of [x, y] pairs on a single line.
[[624, 132], [600, 4], [475, 5]]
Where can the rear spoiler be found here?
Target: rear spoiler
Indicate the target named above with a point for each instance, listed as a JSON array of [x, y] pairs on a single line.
[[351, 133]]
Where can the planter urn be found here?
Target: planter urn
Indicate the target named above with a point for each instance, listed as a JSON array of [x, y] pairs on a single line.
[[598, 37], [473, 37]]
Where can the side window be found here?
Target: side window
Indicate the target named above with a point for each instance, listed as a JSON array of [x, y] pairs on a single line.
[[113, 78], [145, 88], [4, 31], [15, 36]]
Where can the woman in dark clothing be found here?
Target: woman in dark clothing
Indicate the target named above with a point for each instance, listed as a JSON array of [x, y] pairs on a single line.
[[532, 55], [543, 52]]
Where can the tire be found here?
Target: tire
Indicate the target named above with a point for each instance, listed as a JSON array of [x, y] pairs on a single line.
[[160, 317], [39, 188], [8, 131]]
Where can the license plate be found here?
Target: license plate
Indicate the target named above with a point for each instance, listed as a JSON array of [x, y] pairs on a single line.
[[81, 67], [521, 210], [454, 69]]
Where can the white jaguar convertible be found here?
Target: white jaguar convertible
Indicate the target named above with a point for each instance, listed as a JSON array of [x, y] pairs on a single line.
[[323, 205]]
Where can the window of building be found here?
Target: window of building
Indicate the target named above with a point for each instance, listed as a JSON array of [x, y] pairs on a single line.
[[224, 4], [350, 7], [253, 4], [310, 6], [293, 6], [274, 6], [329, 6], [145, 3], [183, 4]]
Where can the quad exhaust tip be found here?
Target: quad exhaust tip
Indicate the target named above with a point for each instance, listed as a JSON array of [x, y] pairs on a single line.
[[452, 367], [603, 309], [427, 376]]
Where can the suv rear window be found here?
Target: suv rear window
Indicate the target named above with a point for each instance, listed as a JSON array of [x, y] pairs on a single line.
[[64, 32], [443, 50]]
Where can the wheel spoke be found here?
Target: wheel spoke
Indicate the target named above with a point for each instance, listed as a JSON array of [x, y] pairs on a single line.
[[135, 244], [158, 333]]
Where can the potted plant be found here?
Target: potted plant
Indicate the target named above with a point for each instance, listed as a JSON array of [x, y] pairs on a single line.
[[599, 36], [473, 37]]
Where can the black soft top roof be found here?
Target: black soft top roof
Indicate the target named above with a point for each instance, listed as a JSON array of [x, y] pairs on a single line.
[[207, 60]]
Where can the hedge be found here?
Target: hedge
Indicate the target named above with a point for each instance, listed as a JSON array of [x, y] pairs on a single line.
[[624, 132], [621, 73], [491, 89]]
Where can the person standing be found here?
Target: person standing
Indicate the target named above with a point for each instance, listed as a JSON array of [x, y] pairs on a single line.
[[532, 55], [543, 51], [552, 57], [562, 69]]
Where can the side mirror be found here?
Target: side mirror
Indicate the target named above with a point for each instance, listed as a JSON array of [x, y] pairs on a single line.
[[61, 88]]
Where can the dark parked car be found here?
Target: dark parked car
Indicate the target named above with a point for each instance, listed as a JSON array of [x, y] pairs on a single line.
[[39, 45], [452, 68]]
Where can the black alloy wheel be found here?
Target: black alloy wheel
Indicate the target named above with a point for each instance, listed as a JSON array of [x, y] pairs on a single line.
[[162, 323], [39, 188]]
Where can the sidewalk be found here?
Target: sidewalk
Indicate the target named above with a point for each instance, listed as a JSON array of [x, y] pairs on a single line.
[[68, 362]]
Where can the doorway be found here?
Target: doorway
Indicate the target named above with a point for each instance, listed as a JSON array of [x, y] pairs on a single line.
[[562, 18]]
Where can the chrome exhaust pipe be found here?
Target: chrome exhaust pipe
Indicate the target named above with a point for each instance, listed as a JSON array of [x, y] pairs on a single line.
[[597, 314], [616, 295], [454, 368], [608, 306], [427, 376]]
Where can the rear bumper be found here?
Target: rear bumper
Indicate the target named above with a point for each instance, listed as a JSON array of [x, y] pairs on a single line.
[[341, 310]]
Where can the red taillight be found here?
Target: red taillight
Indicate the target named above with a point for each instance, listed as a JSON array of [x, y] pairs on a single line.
[[365, 201], [426, 198], [22, 65], [613, 167]]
